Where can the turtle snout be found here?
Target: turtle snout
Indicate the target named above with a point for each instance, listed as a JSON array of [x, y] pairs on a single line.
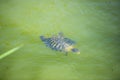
[[76, 50]]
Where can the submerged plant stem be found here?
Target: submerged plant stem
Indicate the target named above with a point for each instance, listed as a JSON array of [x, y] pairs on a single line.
[[10, 52]]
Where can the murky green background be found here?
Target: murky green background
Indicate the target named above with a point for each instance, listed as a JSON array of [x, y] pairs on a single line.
[[93, 24]]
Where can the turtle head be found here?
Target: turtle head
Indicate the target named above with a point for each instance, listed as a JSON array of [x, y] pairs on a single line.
[[76, 50]]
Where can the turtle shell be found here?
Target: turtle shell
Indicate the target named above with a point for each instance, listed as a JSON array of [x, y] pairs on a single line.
[[58, 42]]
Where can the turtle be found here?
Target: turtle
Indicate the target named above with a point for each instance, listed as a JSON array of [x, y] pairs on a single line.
[[60, 43]]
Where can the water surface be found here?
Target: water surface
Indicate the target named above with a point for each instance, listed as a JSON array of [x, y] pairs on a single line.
[[93, 24]]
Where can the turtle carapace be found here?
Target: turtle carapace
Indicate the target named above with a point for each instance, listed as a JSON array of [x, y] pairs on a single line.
[[60, 43]]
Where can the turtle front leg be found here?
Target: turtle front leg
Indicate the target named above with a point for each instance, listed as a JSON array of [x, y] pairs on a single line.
[[66, 53]]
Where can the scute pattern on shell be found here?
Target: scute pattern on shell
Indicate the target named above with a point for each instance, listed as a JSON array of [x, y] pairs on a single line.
[[57, 42]]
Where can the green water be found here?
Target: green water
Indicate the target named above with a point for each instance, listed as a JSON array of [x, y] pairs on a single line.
[[93, 24]]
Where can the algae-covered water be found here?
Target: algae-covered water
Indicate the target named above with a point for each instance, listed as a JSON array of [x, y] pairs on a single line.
[[93, 24]]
